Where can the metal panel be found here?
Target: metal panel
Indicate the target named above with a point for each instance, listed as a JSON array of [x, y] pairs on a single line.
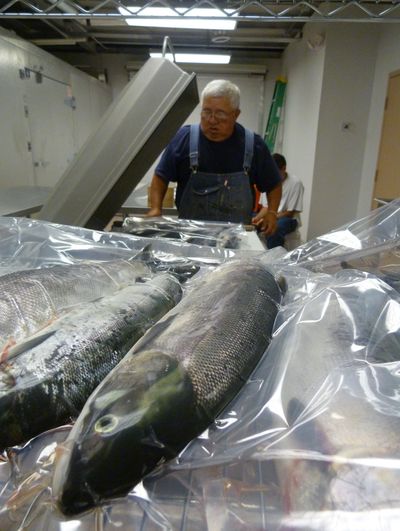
[[132, 133], [286, 10]]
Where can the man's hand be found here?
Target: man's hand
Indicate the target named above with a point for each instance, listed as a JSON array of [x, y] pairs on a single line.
[[265, 221]]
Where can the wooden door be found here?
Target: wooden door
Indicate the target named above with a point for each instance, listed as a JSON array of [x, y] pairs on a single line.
[[387, 177]]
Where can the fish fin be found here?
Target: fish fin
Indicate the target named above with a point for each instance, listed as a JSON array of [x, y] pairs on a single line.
[[25, 345], [10, 343], [145, 253]]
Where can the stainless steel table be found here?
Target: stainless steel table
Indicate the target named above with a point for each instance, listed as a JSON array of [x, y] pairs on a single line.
[[22, 200]]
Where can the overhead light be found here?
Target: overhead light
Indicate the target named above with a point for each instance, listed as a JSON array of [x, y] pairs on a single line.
[[159, 17], [221, 59]]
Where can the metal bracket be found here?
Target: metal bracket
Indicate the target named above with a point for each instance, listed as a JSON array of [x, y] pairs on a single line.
[[167, 43], [70, 101]]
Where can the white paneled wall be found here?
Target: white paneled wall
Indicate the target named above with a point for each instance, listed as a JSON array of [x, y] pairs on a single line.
[[47, 111], [342, 81]]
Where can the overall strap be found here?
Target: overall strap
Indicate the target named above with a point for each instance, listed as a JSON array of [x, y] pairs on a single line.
[[248, 150], [194, 135]]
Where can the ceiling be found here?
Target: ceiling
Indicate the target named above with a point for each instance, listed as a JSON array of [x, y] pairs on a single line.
[[264, 28]]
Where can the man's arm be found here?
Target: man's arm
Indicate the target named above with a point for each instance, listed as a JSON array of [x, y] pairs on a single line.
[[158, 189], [266, 218]]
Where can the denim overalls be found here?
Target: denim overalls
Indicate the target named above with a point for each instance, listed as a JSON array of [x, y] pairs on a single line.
[[217, 196]]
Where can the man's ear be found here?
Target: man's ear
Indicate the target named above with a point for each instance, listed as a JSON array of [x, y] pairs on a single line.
[[237, 112]]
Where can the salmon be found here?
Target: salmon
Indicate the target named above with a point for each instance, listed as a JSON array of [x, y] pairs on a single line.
[[47, 385], [170, 386], [31, 299]]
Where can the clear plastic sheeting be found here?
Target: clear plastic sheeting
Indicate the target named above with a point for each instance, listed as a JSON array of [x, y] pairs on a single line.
[[31, 299], [170, 386], [310, 441], [28, 244], [48, 381], [370, 244], [217, 234]]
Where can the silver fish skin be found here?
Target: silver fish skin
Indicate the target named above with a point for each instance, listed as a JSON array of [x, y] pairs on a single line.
[[31, 299], [170, 387], [48, 385], [337, 384]]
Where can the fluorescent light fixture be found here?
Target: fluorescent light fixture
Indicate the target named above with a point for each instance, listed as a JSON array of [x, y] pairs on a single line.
[[221, 59], [189, 20]]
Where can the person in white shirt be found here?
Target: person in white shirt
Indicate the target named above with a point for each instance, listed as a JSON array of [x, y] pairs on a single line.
[[290, 206]]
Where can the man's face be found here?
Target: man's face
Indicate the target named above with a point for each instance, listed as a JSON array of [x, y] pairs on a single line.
[[282, 171], [218, 118]]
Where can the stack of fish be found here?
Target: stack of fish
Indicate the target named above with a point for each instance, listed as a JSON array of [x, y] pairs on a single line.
[[31, 299], [170, 386], [46, 383], [336, 380], [223, 235]]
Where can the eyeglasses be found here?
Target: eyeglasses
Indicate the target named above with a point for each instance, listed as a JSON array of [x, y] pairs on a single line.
[[220, 116]]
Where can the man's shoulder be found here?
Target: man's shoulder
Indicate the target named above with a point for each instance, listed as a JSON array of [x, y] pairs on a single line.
[[258, 140], [293, 184], [240, 129], [294, 179], [180, 140], [260, 145], [183, 132]]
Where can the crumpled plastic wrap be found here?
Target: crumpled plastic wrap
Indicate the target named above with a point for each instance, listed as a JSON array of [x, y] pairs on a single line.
[[311, 441], [370, 244], [211, 234], [29, 244]]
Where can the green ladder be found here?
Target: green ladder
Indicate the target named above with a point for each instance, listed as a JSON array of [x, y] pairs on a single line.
[[275, 113]]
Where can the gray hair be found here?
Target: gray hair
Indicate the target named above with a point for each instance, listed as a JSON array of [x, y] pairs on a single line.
[[221, 88]]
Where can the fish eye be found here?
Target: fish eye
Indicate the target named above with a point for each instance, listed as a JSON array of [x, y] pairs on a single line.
[[106, 424]]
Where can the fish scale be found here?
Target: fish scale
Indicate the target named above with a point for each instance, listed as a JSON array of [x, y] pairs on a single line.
[[30, 299], [48, 385], [170, 386], [246, 338]]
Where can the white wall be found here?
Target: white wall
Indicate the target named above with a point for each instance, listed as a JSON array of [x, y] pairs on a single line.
[[387, 61], [328, 87], [303, 69], [44, 119], [345, 101]]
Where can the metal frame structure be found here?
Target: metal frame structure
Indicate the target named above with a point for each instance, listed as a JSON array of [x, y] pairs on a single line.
[[247, 11]]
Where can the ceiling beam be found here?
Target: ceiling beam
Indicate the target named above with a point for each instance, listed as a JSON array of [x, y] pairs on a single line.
[[250, 11]]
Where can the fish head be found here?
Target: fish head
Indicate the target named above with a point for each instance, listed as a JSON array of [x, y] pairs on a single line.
[[127, 428]]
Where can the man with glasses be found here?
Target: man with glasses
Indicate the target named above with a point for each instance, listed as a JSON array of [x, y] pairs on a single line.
[[218, 166]]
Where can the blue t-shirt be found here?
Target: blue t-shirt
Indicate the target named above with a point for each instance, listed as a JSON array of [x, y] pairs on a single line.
[[217, 157]]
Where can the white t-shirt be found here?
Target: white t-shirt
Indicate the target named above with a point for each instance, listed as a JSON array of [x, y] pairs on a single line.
[[292, 196]]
